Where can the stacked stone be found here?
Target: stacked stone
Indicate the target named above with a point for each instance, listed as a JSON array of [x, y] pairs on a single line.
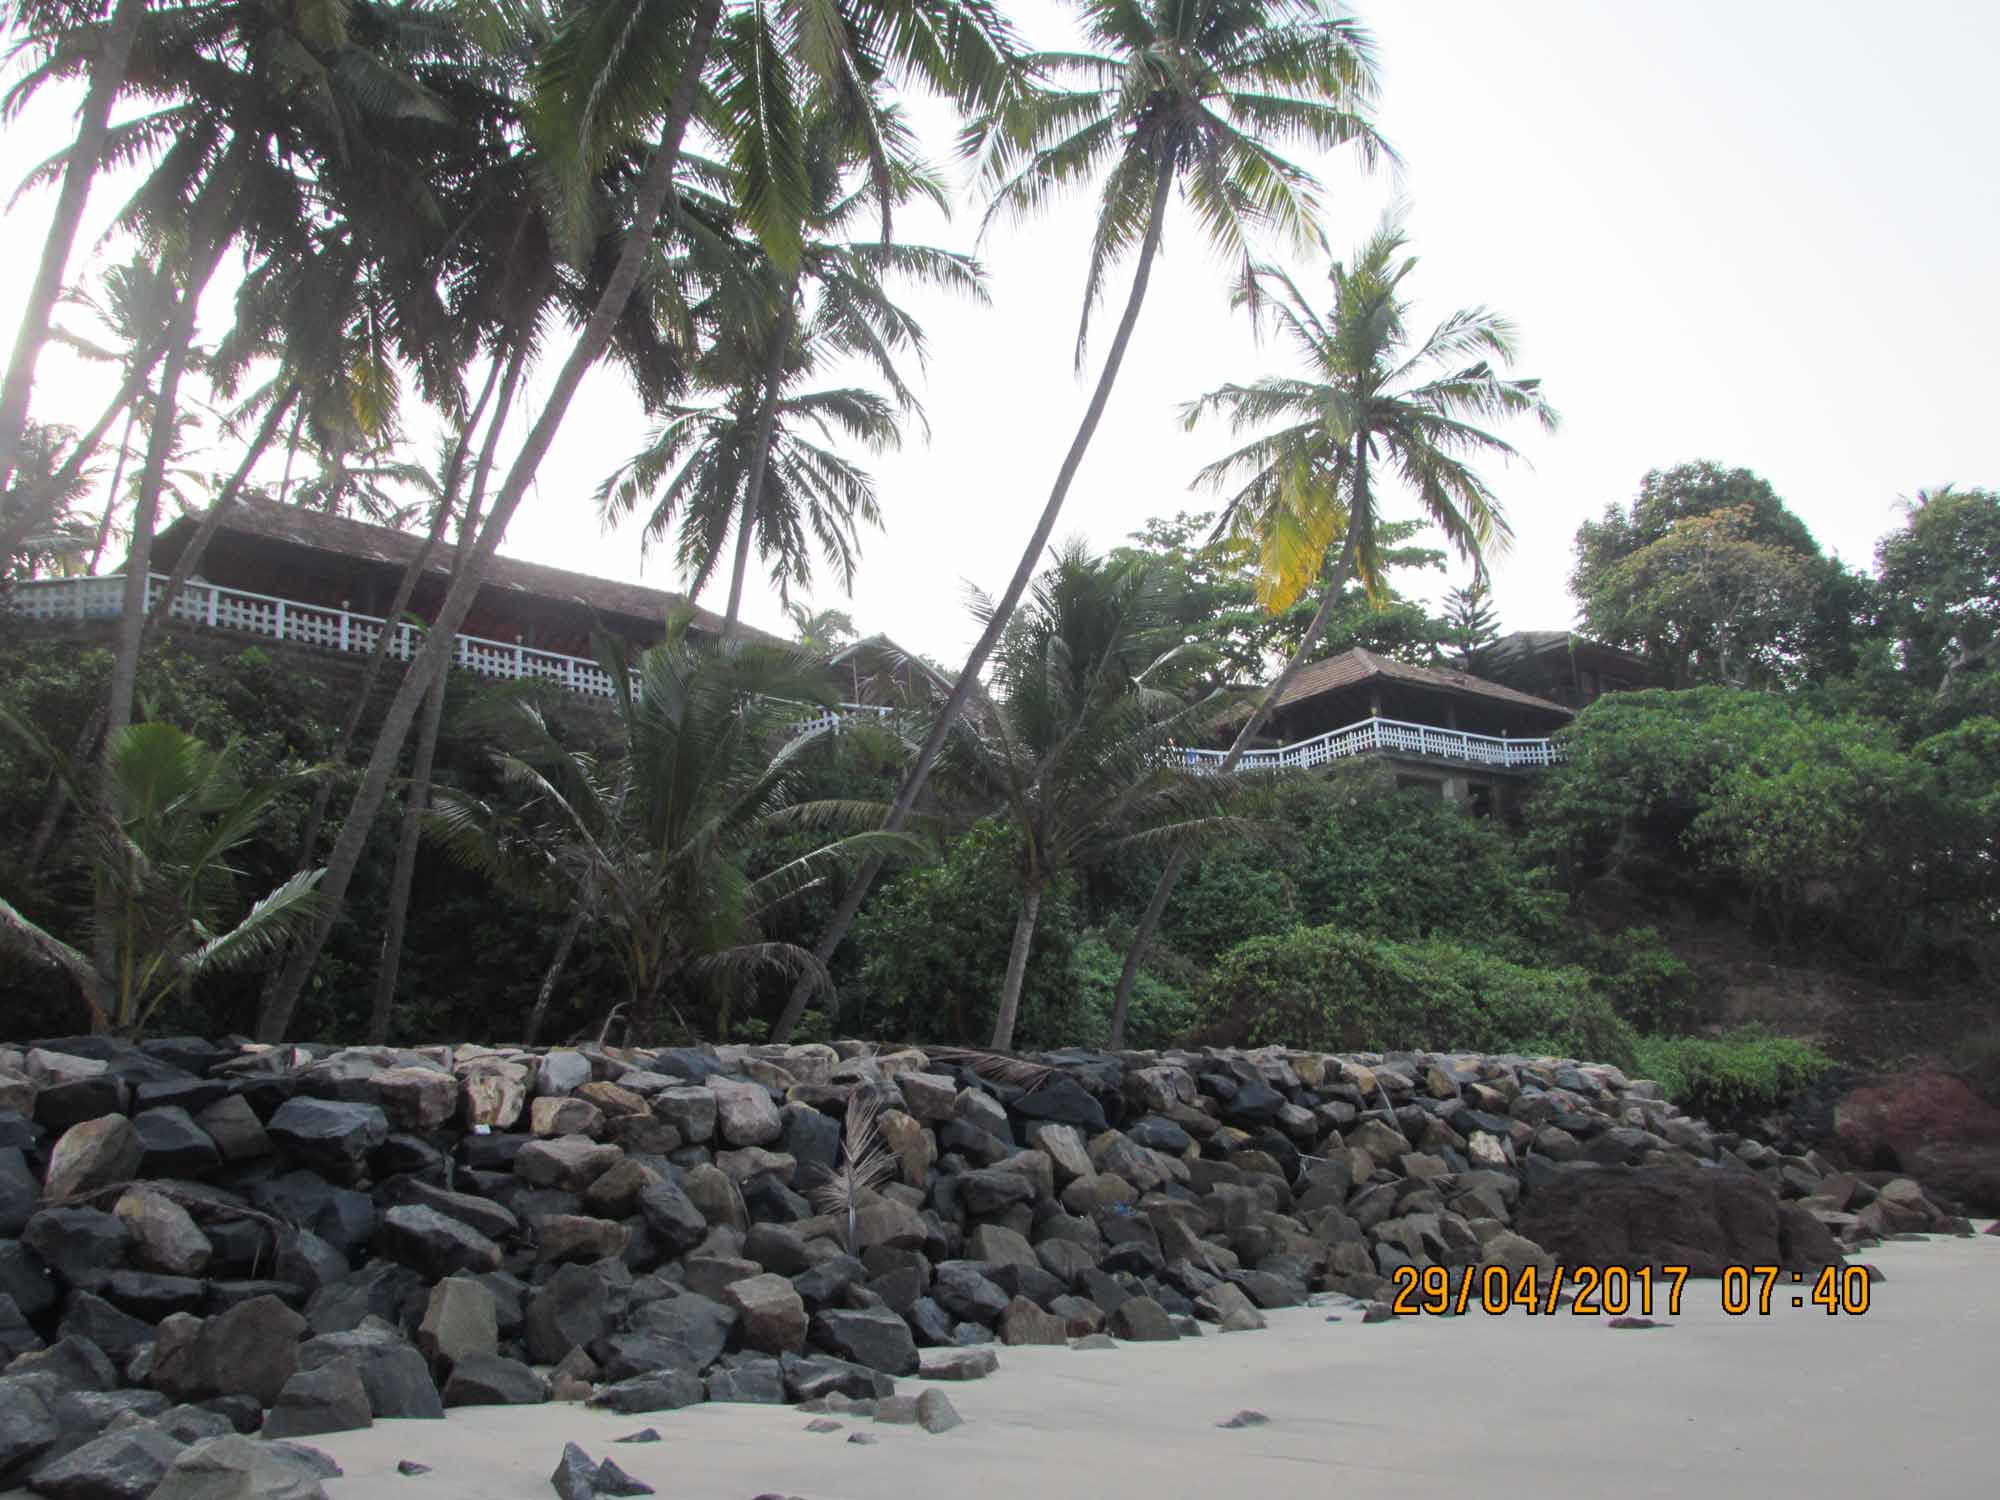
[[200, 1240]]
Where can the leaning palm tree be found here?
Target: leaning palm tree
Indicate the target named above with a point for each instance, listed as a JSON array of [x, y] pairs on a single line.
[[1081, 751], [176, 810], [1168, 97], [1369, 406], [649, 846], [620, 74]]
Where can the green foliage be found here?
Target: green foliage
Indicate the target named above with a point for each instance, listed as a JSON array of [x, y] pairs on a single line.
[[1212, 595], [1940, 583], [1645, 982], [1328, 988], [1471, 624], [175, 812], [1163, 1013], [1822, 819], [1747, 1071], [935, 940], [650, 842], [1713, 579]]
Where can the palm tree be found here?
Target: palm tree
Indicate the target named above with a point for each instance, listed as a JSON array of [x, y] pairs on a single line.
[[741, 460], [610, 69], [63, 48], [649, 847], [1081, 748], [821, 631], [176, 811], [1369, 403], [1169, 96]]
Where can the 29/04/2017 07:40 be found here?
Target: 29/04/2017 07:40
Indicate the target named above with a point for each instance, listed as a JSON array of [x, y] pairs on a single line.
[[1618, 1290]]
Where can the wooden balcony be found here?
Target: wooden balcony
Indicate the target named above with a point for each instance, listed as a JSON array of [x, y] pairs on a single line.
[[1394, 738]]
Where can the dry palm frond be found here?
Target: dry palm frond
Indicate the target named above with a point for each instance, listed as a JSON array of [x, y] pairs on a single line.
[[864, 1161], [996, 1065]]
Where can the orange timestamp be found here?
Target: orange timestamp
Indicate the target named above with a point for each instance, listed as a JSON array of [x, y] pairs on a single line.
[[1619, 1290]]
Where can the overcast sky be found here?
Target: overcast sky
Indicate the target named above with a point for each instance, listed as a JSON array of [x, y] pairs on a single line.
[[1762, 233]]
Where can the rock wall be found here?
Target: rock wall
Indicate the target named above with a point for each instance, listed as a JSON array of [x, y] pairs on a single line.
[[200, 1239]]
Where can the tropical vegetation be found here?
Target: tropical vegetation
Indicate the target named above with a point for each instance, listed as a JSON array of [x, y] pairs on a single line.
[[425, 222]]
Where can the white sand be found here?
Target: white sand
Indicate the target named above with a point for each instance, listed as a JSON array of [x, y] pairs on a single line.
[[1901, 1402]]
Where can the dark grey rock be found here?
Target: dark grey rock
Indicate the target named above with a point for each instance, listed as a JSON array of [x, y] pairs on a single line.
[[748, 1378], [434, 1244], [332, 1136], [493, 1380], [666, 1390], [174, 1145], [125, 1465], [330, 1398], [874, 1337]]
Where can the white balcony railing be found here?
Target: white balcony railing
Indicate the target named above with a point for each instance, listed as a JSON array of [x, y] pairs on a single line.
[[328, 629], [1390, 737]]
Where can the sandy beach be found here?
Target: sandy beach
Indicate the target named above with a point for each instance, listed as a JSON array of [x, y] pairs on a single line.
[[1899, 1400]]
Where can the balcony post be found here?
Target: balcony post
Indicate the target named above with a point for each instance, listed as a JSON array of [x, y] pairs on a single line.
[[278, 618], [346, 623]]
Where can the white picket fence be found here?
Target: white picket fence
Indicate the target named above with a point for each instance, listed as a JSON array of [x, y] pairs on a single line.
[[201, 603], [1389, 737]]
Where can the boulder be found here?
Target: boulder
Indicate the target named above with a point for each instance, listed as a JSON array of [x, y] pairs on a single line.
[[164, 1236], [328, 1399], [123, 1465], [570, 1163], [252, 1350], [417, 1099], [1636, 1217], [576, 1237], [491, 1380], [745, 1115], [94, 1154], [874, 1337], [434, 1244], [234, 1127], [232, 1467], [665, 1390], [329, 1135], [770, 1312], [173, 1145], [461, 1320]]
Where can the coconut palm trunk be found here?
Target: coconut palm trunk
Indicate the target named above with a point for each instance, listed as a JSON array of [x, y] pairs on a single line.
[[571, 929], [431, 662], [406, 588], [1177, 857], [760, 456], [103, 537], [941, 727], [417, 801], [86, 152], [1017, 968]]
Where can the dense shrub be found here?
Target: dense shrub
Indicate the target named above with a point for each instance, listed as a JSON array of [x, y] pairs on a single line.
[[934, 943], [1326, 987], [1164, 1011], [1745, 1072], [1813, 820], [1646, 984]]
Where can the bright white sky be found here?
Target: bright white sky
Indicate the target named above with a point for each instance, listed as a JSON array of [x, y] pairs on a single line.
[[1759, 233]]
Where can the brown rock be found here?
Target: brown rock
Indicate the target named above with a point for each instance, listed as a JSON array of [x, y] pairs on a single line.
[[416, 1099], [1025, 1323], [553, 1115], [773, 1314], [164, 1237], [570, 1162]]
